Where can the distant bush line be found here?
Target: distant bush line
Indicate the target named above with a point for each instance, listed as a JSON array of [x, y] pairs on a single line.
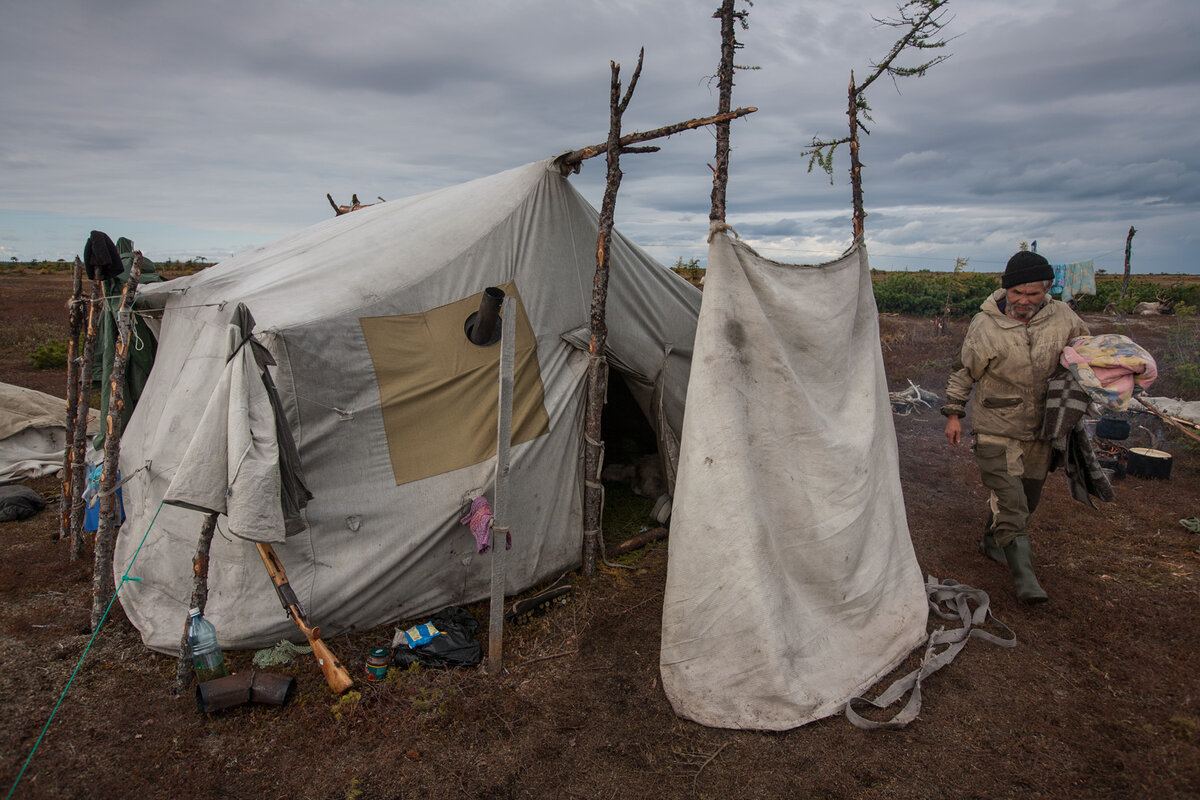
[[62, 265], [924, 293]]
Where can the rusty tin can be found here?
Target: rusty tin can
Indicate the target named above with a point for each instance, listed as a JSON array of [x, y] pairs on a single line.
[[377, 663]]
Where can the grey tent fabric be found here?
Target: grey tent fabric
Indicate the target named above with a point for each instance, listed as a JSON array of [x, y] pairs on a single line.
[[242, 460], [792, 584], [376, 550]]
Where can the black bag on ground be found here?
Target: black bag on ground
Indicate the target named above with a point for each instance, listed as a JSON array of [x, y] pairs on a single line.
[[453, 646], [19, 502]]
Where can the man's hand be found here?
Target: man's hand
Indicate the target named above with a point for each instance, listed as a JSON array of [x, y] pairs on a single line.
[[953, 430]]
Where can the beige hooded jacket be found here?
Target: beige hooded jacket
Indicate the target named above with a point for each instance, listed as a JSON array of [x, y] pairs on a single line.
[[1008, 362]]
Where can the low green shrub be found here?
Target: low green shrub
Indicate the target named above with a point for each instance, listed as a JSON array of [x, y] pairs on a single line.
[[50, 356], [1108, 291]]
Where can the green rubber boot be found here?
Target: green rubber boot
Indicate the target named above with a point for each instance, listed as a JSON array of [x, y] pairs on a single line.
[[1020, 563], [989, 547]]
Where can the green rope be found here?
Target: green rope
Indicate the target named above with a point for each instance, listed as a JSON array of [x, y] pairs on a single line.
[[79, 664]]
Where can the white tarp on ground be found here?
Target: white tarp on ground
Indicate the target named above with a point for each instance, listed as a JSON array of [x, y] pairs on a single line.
[[32, 433], [1187, 410], [792, 584]]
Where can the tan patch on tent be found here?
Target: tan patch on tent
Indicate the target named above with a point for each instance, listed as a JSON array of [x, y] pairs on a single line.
[[439, 392]]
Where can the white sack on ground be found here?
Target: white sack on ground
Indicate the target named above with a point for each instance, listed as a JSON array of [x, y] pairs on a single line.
[[792, 584], [32, 433]]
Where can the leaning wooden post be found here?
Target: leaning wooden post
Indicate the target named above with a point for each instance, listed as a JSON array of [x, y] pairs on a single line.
[[74, 326], [1128, 253], [83, 408], [597, 387], [500, 516], [183, 668], [102, 576]]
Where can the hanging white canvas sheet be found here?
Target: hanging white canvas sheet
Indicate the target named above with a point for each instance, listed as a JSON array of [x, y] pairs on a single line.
[[792, 584]]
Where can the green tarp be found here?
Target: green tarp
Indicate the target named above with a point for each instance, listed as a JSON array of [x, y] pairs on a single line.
[[142, 343]]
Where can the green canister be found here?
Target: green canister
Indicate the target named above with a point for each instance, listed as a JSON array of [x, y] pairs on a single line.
[[377, 663]]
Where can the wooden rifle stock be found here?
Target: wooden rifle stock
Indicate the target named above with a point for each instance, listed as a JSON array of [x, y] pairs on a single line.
[[335, 674]]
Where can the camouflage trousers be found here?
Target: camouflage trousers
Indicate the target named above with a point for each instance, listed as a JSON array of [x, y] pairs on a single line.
[[1014, 471]]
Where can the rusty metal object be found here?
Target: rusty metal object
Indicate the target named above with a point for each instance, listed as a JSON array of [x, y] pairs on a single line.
[[481, 327], [266, 688]]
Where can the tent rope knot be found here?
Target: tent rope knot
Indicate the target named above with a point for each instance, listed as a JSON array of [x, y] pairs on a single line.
[[719, 227]]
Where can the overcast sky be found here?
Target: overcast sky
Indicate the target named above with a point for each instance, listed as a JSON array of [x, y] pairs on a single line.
[[199, 129]]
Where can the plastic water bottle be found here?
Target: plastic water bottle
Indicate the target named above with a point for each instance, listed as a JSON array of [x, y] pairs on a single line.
[[207, 660]]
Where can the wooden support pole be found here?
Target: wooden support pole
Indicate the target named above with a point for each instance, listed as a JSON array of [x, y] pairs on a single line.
[[597, 385], [569, 162], [74, 327], [724, 100], [183, 668], [1128, 253], [856, 190], [83, 408], [102, 575]]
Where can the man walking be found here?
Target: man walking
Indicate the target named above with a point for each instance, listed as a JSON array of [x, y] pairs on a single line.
[[1011, 348]]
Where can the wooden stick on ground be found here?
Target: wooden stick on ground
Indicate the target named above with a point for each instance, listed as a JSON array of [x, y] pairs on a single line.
[[1167, 418], [641, 540]]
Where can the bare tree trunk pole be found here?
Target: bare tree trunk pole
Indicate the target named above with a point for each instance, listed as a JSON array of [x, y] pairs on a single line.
[[1128, 253], [74, 326], [724, 99], [183, 668], [855, 165], [79, 457], [102, 575], [597, 386]]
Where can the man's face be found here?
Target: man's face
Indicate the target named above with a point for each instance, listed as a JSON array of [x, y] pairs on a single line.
[[1025, 299]]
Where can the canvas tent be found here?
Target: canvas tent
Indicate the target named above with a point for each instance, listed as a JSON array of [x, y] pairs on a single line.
[[792, 584], [391, 408]]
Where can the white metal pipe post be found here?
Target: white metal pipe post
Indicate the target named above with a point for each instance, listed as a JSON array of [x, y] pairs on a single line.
[[500, 511]]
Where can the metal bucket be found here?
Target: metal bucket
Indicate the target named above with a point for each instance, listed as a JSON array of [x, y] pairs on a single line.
[[1146, 462]]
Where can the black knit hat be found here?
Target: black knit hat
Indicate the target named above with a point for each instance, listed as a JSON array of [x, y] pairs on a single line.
[[1026, 267]]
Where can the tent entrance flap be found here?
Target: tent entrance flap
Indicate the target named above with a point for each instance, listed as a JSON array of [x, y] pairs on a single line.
[[438, 390]]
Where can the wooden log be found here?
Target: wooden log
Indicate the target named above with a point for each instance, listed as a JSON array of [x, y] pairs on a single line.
[[102, 574], [83, 408], [74, 328], [183, 667], [641, 540]]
